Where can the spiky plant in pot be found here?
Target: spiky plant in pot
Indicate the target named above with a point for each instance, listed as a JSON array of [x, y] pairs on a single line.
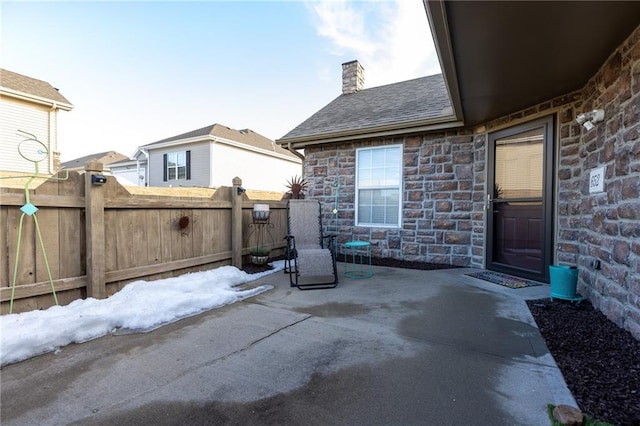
[[297, 186]]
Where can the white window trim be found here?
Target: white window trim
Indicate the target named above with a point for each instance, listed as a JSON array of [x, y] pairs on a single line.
[[400, 189], [177, 166]]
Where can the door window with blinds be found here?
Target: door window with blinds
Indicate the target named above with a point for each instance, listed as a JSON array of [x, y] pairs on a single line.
[[379, 186], [519, 165]]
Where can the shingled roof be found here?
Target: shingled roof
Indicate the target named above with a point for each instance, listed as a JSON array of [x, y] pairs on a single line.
[[245, 136], [406, 104], [105, 158], [19, 85]]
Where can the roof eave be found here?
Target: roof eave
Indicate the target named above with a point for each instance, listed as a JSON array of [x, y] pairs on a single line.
[[217, 139], [492, 64], [395, 129], [123, 163], [437, 17], [178, 142], [36, 99], [257, 149]]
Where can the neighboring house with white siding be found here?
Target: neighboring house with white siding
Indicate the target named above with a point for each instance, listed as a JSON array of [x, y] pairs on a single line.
[[212, 156], [126, 170], [30, 105], [130, 171]]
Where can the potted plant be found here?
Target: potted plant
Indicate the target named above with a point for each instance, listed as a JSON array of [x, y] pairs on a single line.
[[260, 213], [297, 186], [497, 191], [259, 255]]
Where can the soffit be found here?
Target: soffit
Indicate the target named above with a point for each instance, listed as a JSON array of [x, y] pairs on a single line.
[[504, 56]]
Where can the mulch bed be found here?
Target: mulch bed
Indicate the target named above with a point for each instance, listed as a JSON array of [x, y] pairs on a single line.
[[407, 264], [250, 268], [599, 360], [394, 263]]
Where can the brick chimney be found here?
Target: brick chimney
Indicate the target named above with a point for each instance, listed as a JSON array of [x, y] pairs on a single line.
[[352, 77]]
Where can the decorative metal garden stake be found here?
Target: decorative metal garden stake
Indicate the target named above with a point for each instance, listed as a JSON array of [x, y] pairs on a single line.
[[332, 227], [31, 149], [335, 189]]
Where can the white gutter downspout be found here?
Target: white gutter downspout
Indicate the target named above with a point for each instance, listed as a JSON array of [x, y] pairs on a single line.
[[138, 169], [212, 159], [297, 154], [146, 169], [53, 136]]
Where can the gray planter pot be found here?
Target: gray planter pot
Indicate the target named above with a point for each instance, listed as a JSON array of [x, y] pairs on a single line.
[[259, 260]]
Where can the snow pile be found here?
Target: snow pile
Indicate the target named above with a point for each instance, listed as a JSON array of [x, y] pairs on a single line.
[[139, 306]]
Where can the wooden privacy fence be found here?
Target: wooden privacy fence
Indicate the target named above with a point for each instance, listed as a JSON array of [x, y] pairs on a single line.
[[99, 237]]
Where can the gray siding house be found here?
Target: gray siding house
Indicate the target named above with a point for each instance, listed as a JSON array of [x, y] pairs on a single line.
[[502, 161], [211, 157]]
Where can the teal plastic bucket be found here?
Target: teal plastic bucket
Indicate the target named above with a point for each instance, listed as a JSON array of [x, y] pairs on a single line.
[[564, 282]]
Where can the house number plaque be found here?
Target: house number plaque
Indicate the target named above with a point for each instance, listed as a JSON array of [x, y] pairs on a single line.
[[596, 180]]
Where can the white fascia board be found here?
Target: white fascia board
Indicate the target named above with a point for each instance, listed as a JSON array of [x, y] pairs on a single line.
[[136, 154], [258, 150], [122, 163], [35, 99], [439, 26], [178, 142], [140, 155], [371, 133], [214, 139]]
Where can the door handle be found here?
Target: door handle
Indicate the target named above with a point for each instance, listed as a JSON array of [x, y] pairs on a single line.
[[488, 205]]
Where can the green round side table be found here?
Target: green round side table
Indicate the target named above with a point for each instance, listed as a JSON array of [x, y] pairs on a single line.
[[360, 265]]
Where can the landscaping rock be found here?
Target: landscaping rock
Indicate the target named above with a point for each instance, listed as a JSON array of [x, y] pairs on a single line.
[[568, 415]]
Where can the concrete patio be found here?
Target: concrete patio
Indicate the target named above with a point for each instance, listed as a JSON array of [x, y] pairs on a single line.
[[403, 347]]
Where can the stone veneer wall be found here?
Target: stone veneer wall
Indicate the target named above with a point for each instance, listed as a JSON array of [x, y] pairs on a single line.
[[442, 201], [444, 189], [605, 226]]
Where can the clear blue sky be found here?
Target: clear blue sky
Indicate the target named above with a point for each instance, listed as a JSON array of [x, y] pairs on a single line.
[[138, 72]]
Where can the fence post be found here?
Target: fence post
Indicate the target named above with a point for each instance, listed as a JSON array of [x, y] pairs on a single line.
[[94, 218], [236, 222]]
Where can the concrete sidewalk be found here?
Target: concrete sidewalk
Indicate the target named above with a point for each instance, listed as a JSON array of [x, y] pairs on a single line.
[[405, 347]]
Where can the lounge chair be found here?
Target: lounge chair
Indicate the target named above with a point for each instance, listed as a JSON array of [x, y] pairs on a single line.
[[311, 261]]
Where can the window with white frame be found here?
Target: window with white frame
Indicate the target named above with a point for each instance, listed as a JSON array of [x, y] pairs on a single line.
[[379, 186], [177, 165]]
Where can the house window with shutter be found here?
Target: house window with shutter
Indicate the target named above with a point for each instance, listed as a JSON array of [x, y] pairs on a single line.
[[177, 165], [379, 186]]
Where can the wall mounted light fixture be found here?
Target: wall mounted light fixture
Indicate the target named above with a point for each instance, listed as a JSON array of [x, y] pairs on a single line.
[[98, 179], [589, 119]]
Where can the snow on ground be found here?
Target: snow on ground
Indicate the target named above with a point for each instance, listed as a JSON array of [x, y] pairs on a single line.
[[139, 306]]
